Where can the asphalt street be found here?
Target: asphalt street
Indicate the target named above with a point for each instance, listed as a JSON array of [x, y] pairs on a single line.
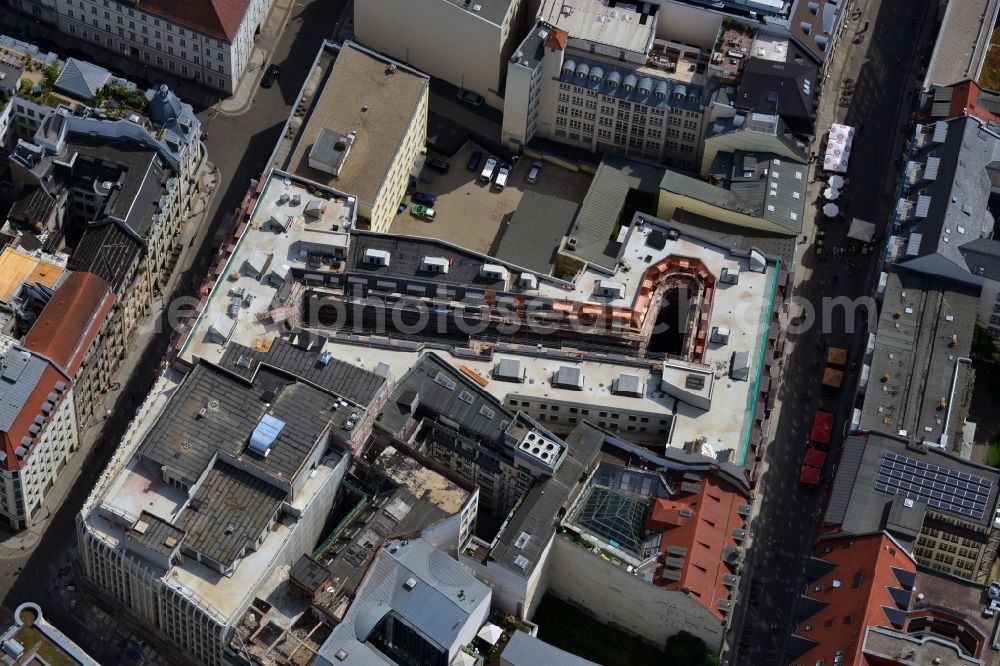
[[239, 146], [884, 67]]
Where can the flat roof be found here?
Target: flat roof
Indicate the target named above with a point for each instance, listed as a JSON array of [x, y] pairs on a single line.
[[17, 267], [361, 95], [419, 480], [962, 42], [262, 318], [493, 11], [228, 512], [612, 23], [858, 507], [924, 324], [343, 379], [139, 486], [213, 412], [534, 233]]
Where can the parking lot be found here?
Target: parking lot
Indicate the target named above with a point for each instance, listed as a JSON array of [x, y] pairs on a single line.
[[470, 213]]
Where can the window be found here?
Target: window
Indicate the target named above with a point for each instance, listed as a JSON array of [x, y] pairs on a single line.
[[562, 110], [563, 97]]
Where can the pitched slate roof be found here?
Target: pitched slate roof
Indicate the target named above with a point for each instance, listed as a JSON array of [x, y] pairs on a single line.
[[82, 79], [31, 388]]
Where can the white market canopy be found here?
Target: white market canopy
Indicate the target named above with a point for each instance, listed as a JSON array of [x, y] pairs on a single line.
[[490, 633], [861, 230], [838, 148], [836, 181], [831, 193], [831, 210]]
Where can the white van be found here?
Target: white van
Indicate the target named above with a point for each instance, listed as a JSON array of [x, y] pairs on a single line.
[[501, 181], [487, 174]]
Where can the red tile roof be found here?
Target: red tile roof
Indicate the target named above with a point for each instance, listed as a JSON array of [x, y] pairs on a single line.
[[556, 39], [705, 533], [851, 607], [965, 101], [216, 18], [71, 320]]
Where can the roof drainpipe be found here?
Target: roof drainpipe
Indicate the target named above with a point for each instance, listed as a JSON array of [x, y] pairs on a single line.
[[943, 444]]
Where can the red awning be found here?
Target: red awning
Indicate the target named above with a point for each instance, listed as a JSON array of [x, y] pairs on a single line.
[[814, 457], [822, 428], [810, 475]]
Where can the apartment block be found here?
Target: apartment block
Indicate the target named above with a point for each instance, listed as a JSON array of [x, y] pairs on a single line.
[[208, 42], [365, 128], [227, 475], [71, 330], [39, 430], [865, 601], [586, 75], [466, 43], [123, 189]]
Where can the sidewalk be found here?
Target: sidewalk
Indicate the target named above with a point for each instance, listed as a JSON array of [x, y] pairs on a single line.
[[21, 544], [187, 89], [241, 99]]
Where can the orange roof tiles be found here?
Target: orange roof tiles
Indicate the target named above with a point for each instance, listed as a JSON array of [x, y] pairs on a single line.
[[965, 101], [705, 534], [71, 320], [556, 39], [855, 590]]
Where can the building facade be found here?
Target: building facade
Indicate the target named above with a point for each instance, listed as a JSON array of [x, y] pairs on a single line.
[[39, 432], [481, 37], [211, 45], [364, 131], [577, 80]]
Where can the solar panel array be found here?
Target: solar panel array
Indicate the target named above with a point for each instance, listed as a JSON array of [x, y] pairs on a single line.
[[940, 487]]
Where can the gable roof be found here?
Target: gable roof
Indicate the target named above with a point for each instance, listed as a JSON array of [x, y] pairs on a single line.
[[860, 589], [71, 320], [30, 390], [216, 18], [82, 79]]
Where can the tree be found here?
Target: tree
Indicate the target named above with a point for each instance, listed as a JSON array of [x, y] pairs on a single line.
[[688, 649], [984, 347], [51, 74]]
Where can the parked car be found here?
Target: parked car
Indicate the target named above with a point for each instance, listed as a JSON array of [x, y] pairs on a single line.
[[270, 76], [470, 97], [437, 164], [474, 160], [501, 181], [487, 174], [422, 212], [423, 198], [536, 169]]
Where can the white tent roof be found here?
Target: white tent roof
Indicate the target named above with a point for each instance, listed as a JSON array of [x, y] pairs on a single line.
[[831, 209], [490, 633], [831, 194], [222, 327]]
